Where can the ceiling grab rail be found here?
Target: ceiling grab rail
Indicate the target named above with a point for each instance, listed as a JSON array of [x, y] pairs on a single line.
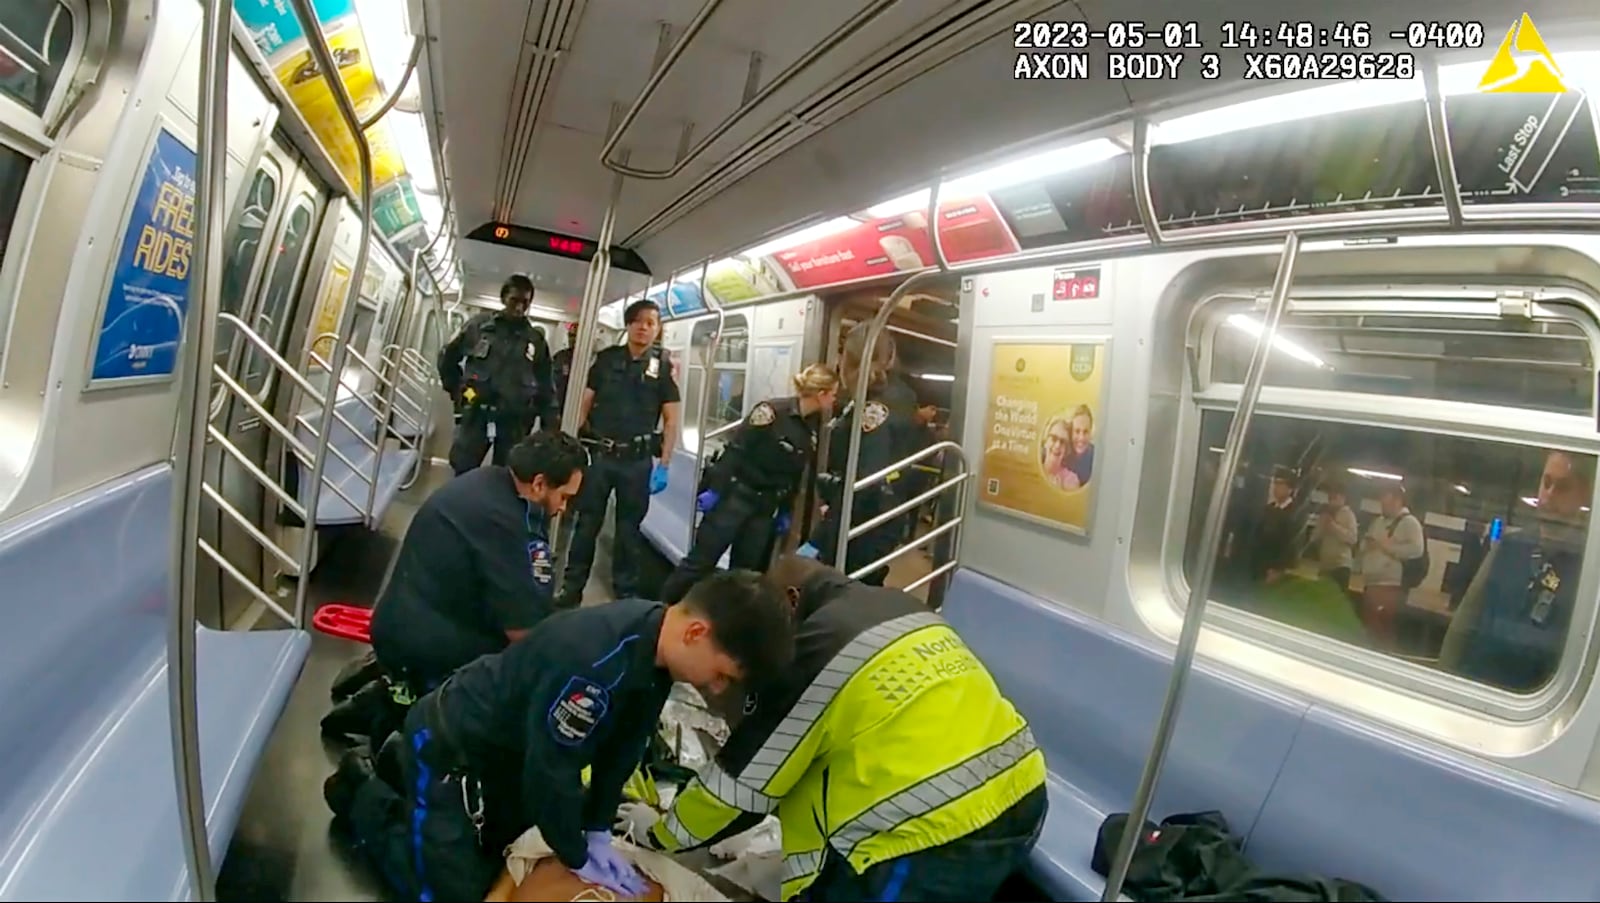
[[189, 445], [864, 377], [861, 19], [1444, 157], [329, 69], [583, 343], [1200, 589], [1142, 199], [620, 167]]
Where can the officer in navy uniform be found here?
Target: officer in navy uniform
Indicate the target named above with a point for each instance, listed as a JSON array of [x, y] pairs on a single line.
[[887, 420], [754, 478], [628, 419], [1512, 623], [500, 746], [473, 574], [497, 369], [562, 365]]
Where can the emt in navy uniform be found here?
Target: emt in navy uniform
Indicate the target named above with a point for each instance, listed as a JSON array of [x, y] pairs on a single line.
[[747, 490], [473, 574], [497, 370], [887, 420], [628, 419], [500, 746]]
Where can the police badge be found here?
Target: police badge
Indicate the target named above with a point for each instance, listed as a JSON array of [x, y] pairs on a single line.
[[873, 416]]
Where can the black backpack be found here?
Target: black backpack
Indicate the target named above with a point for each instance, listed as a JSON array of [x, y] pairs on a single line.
[[1412, 570]]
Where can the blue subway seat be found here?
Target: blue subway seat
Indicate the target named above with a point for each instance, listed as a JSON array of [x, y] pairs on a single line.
[[1312, 790], [1092, 695], [397, 463], [1419, 822], [88, 800], [668, 524]]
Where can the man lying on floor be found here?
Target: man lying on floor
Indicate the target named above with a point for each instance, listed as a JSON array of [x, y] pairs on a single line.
[[500, 746]]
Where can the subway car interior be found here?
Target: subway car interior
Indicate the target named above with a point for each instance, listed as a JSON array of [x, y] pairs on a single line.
[[1251, 355]]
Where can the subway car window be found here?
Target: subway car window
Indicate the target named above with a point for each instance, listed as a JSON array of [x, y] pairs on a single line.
[[1461, 554], [728, 371], [271, 321], [35, 41], [13, 173], [1544, 364]]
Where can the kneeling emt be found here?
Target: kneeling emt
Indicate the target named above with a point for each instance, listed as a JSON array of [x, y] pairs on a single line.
[[500, 746], [897, 769]]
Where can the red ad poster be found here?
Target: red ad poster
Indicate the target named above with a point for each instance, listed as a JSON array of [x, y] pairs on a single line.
[[969, 229], [972, 229], [880, 247]]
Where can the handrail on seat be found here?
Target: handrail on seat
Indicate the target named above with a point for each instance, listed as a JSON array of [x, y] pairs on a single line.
[[956, 484]]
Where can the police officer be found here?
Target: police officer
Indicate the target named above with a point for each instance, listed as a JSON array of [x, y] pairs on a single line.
[[754, 477], [887, 420], [500, 746], [506, 383], [474, 572], [562, 366], [629, 392], [906, 776]]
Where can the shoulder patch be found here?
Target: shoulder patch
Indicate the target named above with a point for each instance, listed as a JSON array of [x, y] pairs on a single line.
[[539, 561], [576, 712], [874, 415], [762, 414]]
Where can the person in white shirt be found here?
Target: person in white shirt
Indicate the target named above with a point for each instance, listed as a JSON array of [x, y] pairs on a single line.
[[1392, 539]]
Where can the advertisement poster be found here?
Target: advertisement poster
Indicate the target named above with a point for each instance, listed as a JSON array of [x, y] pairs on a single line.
[[330, 307], [277, 32], [142, 322], [969, 229], [1039, 443]]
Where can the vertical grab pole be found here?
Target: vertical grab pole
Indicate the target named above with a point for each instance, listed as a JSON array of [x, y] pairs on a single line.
[[318, 42], [864, 379], [583, 349], [205, 289], [709, 370], [1200, 589]]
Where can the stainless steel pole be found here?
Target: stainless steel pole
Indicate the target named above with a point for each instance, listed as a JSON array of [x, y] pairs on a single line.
[[189, 446], [1200, 589], [318, 42]]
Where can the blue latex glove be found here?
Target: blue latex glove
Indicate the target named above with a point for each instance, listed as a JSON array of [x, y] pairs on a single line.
[[808, 551], [781, 522], [705, 501], [658, 478], [609, 868]]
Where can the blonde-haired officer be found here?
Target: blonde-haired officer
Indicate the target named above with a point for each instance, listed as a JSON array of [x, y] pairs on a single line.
[[745, 492]]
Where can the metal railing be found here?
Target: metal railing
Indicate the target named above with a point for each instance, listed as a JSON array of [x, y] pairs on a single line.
[[956, 485], [194, 428]]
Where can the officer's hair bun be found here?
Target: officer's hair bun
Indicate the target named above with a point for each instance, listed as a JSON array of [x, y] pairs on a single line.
[[816, 379]]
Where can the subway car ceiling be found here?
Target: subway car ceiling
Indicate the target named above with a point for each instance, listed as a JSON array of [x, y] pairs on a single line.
[[758, 118]]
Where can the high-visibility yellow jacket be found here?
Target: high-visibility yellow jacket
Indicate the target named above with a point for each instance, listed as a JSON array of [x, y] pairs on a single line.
[[886, 737]]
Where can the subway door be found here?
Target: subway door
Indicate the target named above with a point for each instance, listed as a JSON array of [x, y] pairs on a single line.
[[250, 363], [251, 224], [320, 304]]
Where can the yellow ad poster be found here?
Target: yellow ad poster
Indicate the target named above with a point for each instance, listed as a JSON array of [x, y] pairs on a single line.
[[330, 307], [1039, 443], [309, 92]]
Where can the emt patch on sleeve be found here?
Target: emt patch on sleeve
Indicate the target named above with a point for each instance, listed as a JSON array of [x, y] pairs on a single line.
[[581, 706]]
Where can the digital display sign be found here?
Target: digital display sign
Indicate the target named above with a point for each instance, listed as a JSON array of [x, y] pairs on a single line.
[[542, 241]]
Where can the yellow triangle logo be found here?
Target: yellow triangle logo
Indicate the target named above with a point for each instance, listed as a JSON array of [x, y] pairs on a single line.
[[1523, 64]]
